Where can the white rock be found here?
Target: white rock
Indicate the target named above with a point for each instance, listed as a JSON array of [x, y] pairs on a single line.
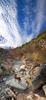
[[29, 97], [22, 66], [44, 89]]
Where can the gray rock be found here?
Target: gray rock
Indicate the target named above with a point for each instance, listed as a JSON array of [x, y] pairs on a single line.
[[9, 93], [2, 96], [40, 79], [22, 85], [43, 72], [1, 71], [36, 83]]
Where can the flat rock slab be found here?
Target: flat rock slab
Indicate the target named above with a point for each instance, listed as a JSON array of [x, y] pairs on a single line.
[[22, 85]]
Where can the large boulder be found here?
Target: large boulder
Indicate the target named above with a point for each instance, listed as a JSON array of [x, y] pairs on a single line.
[[40, 79], [15, 83]]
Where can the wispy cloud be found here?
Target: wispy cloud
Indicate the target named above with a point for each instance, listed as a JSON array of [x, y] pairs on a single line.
[[39, 15], [36, 24], [9, 27], [28, 20], [28, 16]]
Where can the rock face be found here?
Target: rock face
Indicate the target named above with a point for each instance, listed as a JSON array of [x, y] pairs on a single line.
[[40, 79]]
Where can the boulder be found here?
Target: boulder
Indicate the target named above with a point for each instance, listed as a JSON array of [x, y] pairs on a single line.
[[36, 83], [39, 80], [12, 82]]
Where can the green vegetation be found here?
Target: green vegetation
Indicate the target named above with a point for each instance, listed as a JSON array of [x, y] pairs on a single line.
[[41, 36], [36, 49]]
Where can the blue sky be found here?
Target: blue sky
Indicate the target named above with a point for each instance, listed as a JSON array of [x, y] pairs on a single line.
[[20, 21]]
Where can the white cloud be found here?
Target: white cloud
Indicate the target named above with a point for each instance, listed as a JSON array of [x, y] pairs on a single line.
[[9, 27], [40, 14], [36, 24], [28, 21], [39, 19], [4, 30], [28, 16], [30, 37]]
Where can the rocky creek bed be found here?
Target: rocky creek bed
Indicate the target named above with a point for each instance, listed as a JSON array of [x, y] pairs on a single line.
[[22, 81]]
